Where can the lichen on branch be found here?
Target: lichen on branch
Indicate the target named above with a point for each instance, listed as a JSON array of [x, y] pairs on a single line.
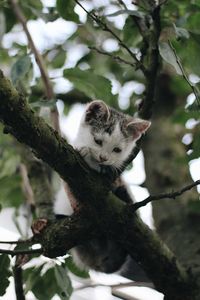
[[104, 213]]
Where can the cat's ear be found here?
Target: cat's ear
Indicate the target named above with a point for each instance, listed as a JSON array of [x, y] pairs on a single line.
[[97, 109], [137, 127]]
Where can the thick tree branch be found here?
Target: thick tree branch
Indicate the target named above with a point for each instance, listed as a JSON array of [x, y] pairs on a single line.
[[104, 214], [172, 195], [153, 65], [151, 41]]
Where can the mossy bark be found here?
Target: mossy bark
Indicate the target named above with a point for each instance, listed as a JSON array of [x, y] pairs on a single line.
[[167, 170], [103, 213]]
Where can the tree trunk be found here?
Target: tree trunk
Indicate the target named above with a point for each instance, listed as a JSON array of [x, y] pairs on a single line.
[[176, 221]]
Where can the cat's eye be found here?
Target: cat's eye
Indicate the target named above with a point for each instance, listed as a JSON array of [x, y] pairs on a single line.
[[98, 142], [117, 150]]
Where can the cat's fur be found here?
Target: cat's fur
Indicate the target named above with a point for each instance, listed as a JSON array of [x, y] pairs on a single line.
[[106, 138], [115, 130]]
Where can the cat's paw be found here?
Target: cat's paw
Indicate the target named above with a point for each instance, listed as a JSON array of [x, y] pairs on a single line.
[[83, 151]]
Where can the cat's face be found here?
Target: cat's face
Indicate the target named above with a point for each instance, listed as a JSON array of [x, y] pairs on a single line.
[[108, 135]]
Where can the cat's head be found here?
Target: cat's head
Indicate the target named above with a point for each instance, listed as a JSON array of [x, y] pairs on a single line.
[[110, 135]]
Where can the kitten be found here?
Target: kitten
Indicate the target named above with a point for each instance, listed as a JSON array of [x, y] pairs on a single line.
[[106, 138]]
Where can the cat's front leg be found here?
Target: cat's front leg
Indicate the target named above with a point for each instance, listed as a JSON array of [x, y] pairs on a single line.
[[85, 153]]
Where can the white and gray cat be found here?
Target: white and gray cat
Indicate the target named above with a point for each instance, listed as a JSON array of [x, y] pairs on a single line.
[[106, 138]]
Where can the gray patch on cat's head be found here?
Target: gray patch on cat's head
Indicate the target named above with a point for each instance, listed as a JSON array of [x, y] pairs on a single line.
[[103, 118], [107, 135]]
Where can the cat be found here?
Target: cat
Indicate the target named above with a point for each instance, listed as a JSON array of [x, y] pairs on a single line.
[[105, 139]]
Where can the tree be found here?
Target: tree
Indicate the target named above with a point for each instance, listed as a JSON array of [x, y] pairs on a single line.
[[157, 47]]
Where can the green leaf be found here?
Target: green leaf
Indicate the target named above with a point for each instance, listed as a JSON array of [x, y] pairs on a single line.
[[44, 286], [188, 51], [20, 69], [168, 55], [193, 22], [10, 18], [182, 116], [181, 32], [91, 84], [63, 282], [31, 277], [2, 25], [66, 10], [31, 8], [4, 273], [33, 4], [59, 59], [130, 34], [11, 193], [43, 103], [74, 268], [8, 164]]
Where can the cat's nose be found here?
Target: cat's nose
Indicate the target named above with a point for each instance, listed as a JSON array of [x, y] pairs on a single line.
[[102, 158]]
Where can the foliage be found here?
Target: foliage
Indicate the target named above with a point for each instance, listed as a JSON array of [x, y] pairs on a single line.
[[5, 273], [96, 76], [45, 285]]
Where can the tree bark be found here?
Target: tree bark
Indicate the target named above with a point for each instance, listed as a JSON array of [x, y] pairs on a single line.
[[103, 212], [167, 169]]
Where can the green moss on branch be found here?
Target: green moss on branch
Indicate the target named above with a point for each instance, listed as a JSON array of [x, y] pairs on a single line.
[[103, 212]]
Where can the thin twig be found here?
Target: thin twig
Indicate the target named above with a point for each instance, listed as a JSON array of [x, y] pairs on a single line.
[[163, 2], [17, 252], [26, 187], [118, 286], [16, 242], [115, 57], [184, 73], [18, 279], [172, 195], [122, 3], [48, 87], [105, 27]]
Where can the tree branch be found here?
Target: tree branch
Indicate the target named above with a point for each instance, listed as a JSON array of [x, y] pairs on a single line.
[[192, 86], [172, 195], [105, 27], [146, 108], [39, 176], [42, 196], [16, 242], [45, 77], [17, 252], [114, 57], [18, 278], [102, 214]]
